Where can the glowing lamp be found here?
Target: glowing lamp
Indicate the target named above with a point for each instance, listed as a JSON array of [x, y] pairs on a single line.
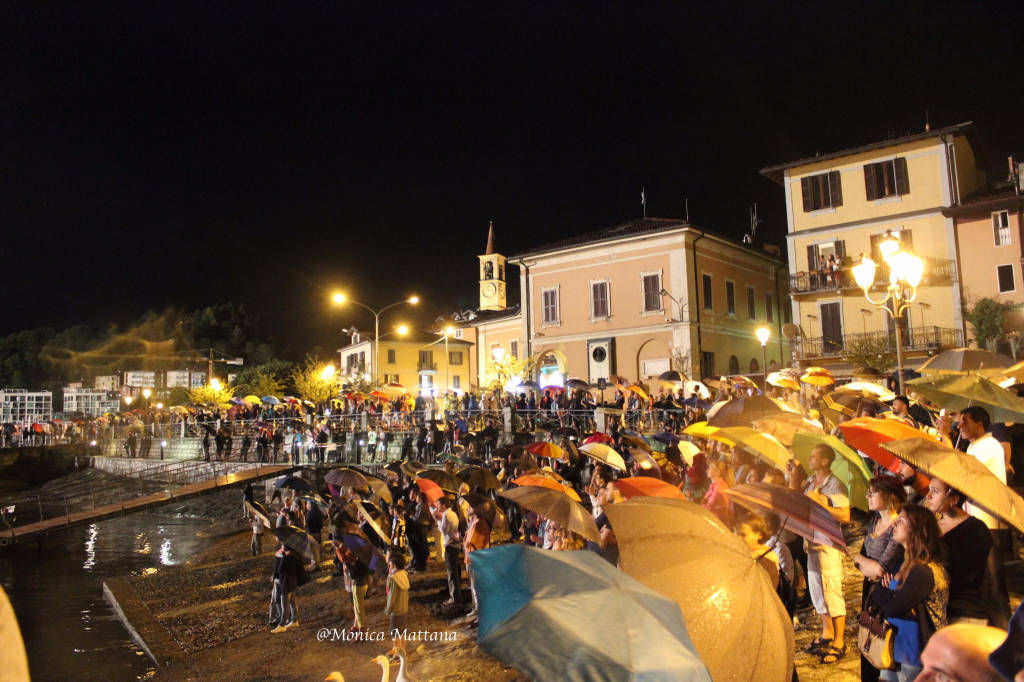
[[414, 299], [907, 268], [146, 393], [449, 331], [763, 333], [864, 274], [215, 384], [888, 248], [327, 373], [339, 298], [402, 330], [498, 353]]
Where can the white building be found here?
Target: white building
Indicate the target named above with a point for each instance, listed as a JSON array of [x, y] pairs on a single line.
[[20, 406], [90, 402], [108, 382], [140, 379], [179, 379]]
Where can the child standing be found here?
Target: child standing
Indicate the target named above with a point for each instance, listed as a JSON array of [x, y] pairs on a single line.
[[397, 600]]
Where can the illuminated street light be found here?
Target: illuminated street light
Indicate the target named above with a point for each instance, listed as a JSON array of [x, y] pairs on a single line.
[[327, 373], [905, 273], [402, 330], [215, 383], [128, 400], [498, 353], [146, 393], [763, 334], [340, 299]]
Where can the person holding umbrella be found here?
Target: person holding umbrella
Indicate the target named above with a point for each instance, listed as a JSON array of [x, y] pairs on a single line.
[[825, 563], [360, 576], [448, 526], [286, 581], [478, 536]]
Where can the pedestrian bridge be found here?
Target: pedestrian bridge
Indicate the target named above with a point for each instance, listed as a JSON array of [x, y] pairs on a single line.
[[86, 503]]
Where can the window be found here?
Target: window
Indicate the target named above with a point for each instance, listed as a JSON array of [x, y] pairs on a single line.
[[708, 295], [755, 366], [822, 191], [599, 300], [458, 333], [455, 382], [787, 314], [652, 292], [1005, 274], [751, 304], [734, 365], [391, 356], [730, 298], [426, 359], [455, 357], [886, 179], [513, 348], [550, 305], [768, 312], [707, 364], [1001, 227]]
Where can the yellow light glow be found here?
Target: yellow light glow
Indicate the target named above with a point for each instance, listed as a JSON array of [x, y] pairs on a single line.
[[888, 248], [128, 400], [498, 353], [159, 406], [907, 268], [414, 299], [146, 393], [449, 331], [215, 384], [864, 274], [763, 333], [402, 330], [339, 298], [327, 373]]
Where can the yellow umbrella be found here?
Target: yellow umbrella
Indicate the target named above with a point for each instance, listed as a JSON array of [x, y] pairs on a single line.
[[880, 392], [732, 612], [785, 425], [252, 399], [700, 430], [818, 376], [763, 444], [604, 454], [178, 409], [688, 451], [640, 391], [783, 381]]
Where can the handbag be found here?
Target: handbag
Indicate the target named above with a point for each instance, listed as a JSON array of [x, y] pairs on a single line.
[[875, 638]]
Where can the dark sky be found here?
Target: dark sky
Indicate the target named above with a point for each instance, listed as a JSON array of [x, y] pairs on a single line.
[[182, 154]]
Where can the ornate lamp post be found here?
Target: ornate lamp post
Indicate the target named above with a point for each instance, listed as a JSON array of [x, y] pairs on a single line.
[[763, 334], [340, 299], [905, 272]]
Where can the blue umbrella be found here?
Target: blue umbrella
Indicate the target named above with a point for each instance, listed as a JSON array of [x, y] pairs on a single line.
[[573, 616], [270, 400], [237, 401], [666, 437], [697, 403], [366, 552]]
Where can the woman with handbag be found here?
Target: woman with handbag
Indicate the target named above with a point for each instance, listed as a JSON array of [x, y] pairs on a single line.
[[881, 553], [913, 601]]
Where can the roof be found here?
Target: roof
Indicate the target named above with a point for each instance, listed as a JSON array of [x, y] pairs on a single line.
[[983, 203], [639, 227], [413, 338], [776, 172], [472, 318]]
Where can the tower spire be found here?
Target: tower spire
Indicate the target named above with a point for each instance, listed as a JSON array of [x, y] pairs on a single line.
[[490, 240]]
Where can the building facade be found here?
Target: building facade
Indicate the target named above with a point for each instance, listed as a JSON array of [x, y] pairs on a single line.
[[20, 406], [841, 206], [89, 402], [423, 364]]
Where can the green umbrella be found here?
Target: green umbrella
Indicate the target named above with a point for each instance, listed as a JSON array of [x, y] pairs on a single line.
[[848, 466], [957, 392]]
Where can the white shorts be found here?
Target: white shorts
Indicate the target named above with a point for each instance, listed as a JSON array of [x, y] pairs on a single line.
[[825, 581]]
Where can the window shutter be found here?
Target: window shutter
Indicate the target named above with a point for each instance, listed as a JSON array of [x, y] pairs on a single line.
[[835, 189], [907, 240], [812, 258], [900, 171], [805, 186], [870, 185], [840, 249]]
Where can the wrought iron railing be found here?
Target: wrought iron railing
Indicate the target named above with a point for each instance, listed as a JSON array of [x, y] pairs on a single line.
[[915, 338], [937, 271]]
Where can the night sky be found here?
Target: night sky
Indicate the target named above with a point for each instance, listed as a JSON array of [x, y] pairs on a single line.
[[159, 155]]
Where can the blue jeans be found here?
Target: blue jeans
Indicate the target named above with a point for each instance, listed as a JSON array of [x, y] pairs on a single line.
[[903, 673], [285, 600]]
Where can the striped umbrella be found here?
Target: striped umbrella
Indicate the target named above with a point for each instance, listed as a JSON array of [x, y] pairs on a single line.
[[546, 449], [797, 512]]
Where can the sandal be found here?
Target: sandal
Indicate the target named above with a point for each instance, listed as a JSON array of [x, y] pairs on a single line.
[[816, 646], [834, 653]]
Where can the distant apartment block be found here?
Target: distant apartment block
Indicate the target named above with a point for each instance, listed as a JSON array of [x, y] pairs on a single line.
[[20, 406], [89, 402], [108, 382], [180, 379]]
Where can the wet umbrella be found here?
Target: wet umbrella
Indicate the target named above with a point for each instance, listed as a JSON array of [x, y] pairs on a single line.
[[432, 490], [963, 472], [636, 442], [867, 434], [577, 384], [759, 443], [645, 486], [411, 468], [297, 540], [294, 483], [260, 511], [818, 376], [781, 380], [687, 451], [671, 375], [13, 659], [681, 550], [966, 361], [546, 449], [666, 437], [645, 460], [365, 552], [479, 477], [697, 403], [572, 616], [346, 478], [843, 402], [785, 425], [380, 488], [604, 454], [372, 521], [871, 388], [449, 482], [394, 467], [270, 400], [546, 471], [599, 437], [797, 512], [957, 392], [557, 506], [547, 482], [848, 466], [315, 499], [484, 506], [742, 411]]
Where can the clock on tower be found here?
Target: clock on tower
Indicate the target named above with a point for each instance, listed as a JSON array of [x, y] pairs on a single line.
[[492, 276]]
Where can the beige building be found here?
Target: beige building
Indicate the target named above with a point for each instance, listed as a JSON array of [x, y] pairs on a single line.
[[424, 364], [840, 206], [635, 300]]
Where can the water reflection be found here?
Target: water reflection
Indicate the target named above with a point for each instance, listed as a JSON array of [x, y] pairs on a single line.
[[90, 547], [165, 552]]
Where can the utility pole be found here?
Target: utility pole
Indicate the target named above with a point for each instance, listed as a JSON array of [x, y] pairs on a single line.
[[209, 369]]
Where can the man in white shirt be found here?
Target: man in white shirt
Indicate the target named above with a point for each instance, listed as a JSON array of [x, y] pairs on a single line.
[[974, 427], [448, 525]]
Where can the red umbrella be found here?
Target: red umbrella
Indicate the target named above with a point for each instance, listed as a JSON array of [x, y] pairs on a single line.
[[796, 511], [599, 438], [546, 449], [555, 389], [867, 434], [645, 486], [38, 428], [432, 490]]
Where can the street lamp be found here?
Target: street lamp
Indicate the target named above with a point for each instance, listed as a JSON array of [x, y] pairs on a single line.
[[763, 334], [905, 272], [340, 299], [215, 383]]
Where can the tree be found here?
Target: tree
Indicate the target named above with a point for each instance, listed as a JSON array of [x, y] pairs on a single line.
[[510, 367], [211, 395], [871, 355], [312, 382], [268, 378], [986, 316]]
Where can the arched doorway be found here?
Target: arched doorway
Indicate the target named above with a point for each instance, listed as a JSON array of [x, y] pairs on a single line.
[[734, 365], [755, 367], [552, 368]]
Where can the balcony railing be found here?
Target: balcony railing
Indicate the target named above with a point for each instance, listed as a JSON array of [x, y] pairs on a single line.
[[937, 271], [426, 367], [916, 338]]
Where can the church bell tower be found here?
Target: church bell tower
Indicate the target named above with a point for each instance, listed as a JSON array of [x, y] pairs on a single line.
[[492, 276]]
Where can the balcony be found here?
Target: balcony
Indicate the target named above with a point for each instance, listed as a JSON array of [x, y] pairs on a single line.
[[916, 338], [426, 367], [937, 272]]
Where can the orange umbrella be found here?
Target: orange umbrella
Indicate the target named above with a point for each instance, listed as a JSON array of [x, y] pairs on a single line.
[[867, 434], [645, 486], [742, 381], [639, 390], [379, 395], [597, 438], [546, 449], [545, 482], [432, 490], [818, 376]]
